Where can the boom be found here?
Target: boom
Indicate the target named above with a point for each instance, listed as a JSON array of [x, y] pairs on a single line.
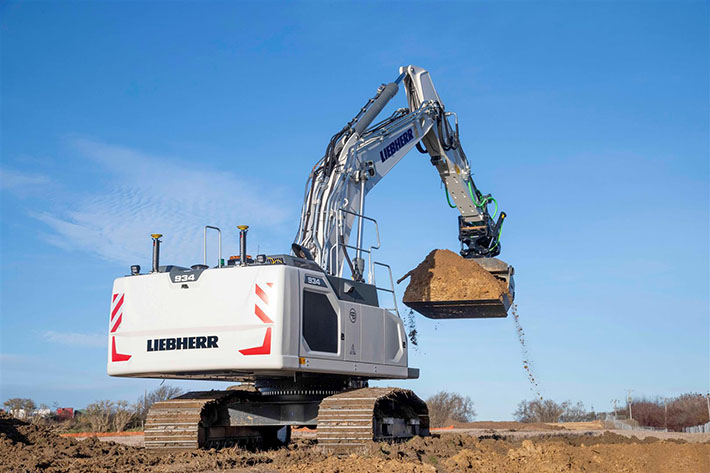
[[360, 155]]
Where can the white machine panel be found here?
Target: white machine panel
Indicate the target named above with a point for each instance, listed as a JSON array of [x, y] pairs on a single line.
[[231, 322], [352, 323]]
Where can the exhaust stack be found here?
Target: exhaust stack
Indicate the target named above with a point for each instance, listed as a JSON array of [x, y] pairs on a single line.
[[156, 251], [243, 244]]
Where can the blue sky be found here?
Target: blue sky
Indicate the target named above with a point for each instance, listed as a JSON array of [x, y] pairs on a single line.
[[588, 122]]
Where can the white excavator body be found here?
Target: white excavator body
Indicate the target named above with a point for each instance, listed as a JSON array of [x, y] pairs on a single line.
[[236, 322], [305, 332]]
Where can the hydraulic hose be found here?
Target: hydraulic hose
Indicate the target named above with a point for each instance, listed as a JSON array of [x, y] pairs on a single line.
[[446, 191], [483, 203]]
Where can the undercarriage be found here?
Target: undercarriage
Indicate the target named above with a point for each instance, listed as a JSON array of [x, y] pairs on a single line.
[[346, 414]]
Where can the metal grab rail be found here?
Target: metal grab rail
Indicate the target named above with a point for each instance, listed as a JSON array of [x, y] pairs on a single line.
[[390, 290], [371, 264], [335, 268], [204, 245]]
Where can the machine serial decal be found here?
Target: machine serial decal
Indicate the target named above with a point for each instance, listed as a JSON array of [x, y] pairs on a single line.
[[314, 281], [177, 275], [396, 145], [182, 343]]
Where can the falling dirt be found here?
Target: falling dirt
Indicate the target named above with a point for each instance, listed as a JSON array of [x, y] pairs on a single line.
[[446, 276], [410, 324], [30, 448], [527, 364]]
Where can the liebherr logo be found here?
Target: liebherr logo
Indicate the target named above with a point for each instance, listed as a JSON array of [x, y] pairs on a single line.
[[182, 343], [396, 145]]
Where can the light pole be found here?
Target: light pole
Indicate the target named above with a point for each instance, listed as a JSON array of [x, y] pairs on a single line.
[[628, 401], [665, 413]]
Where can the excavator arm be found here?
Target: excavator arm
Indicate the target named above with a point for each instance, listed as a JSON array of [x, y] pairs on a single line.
[[478, 230], [360, 155]]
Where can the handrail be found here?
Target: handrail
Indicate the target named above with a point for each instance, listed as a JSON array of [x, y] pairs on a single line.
[[391, 290], [204, 245], [377, 227], [338, 245], [371, 263]]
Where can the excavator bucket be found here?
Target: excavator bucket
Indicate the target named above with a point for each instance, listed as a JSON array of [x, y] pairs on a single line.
[[463, 309], [496, 292]]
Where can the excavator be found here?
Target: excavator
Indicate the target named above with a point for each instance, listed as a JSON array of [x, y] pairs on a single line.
[[304, 332]]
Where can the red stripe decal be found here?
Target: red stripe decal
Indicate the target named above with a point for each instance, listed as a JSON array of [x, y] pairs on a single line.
[[117, 356], [118, 306], [118, 322], [264, 349], [262, 295], [270, 284], [114, 298], [260, 313]]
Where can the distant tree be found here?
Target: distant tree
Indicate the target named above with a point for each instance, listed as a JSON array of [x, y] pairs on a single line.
[[20, 407], [122, 415], [545, 410], [445, 406], [686, 410], [163, 393], [648, 413], [97, 416], [575, 413]]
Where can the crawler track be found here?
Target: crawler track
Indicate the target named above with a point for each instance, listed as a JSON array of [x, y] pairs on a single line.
[[181, 423], [350, 420], [345, 422]]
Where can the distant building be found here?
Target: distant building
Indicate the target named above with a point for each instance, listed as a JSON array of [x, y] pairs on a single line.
[[42, 412], [18, 413], [65, 413]]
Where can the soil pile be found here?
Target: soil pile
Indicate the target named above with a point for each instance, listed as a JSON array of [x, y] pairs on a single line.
[[446, 276], [558, 456], [608, 453], [508, 426], [29, 448]]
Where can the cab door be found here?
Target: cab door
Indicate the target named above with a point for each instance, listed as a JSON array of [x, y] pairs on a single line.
[[320, 318]]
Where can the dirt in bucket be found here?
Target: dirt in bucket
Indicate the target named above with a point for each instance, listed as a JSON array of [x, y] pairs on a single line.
[[446, 276]]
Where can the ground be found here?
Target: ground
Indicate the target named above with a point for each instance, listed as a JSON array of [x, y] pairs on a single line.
[[477, 447]]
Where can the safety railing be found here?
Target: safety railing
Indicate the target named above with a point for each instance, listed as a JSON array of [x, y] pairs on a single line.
[[219, 245], [391, 288], [335, 253], [335, 250], [698, 429]]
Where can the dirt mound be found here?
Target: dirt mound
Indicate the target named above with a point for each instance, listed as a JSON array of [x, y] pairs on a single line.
[[358, 464], [535, 457], [30, 448], [27, 447], [446, 276], [507, 425]]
